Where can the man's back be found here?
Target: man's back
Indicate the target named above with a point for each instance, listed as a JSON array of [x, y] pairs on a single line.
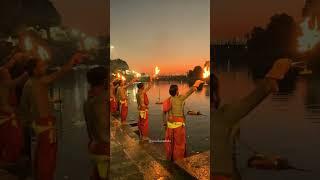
[[96, 118]]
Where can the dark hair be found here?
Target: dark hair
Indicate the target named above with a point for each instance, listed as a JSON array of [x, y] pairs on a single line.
[[31, 65], [140, 85], [97, 76], [173, 90]]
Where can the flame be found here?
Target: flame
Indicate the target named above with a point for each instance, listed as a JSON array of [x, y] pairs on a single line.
[[138, 75], [206, 72], [28, 43], [43, 53], [118, 75], [156, 70], [123, 78], [310, 36]]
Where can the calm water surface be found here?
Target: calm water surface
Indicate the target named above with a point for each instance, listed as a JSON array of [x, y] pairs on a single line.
[[285, 124], [198, 127]]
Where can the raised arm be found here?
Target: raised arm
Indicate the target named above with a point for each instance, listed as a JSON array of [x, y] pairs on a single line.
[[130, 83], [228, 117], [75, 59], [240, 109], [192, 89]]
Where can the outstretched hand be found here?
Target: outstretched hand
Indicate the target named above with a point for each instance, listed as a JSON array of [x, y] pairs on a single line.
[[198, 83], [279, 69]]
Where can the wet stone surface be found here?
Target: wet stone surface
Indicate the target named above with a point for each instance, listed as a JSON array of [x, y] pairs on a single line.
[[133, 159]]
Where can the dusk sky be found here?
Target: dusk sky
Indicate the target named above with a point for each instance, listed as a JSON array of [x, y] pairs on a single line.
[[172, 34], [235, 18], [90, 17]]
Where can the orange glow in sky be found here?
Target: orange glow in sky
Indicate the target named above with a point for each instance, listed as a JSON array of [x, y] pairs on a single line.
[[174, 35]]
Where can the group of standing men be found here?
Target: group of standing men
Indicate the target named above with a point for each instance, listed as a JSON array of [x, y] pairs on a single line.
[[173, 108], [25, 106]]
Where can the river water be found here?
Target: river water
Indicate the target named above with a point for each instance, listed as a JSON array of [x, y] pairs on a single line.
[[198, 127], [285, 124], [73, 161]]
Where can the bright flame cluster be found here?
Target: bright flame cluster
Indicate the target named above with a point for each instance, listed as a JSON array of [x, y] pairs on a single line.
[[120, 76], [156, 70], [206, 72], [136, 74], [310, 36]]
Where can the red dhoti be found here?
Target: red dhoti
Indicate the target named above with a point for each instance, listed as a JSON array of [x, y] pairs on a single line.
[[175, 143], [46, 150], [100, 155], [124, 111], [113, 105], [11, 142], [143, 123]]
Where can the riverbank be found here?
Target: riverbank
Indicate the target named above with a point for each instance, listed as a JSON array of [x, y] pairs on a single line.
[[133, 159]]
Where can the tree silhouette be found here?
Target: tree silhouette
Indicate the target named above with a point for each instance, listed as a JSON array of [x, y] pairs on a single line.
[[278, 39]]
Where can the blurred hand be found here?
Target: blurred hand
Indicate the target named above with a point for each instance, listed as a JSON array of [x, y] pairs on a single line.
[[279, 69], [197, 83]]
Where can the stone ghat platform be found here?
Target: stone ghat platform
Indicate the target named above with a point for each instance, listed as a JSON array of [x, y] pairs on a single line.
[[133, 159]]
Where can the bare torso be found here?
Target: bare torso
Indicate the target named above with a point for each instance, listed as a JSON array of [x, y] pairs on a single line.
[[37, 92], [140, 100], [112, 91], [123, 93]]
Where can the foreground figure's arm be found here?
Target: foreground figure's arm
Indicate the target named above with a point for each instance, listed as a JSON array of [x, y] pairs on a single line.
[[192, 89], [228, 117], [76, 58]]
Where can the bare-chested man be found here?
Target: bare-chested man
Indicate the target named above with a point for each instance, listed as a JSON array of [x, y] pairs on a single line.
[[113, 99], [35, 105], [11, 142], [98, 126], [143, 103], [122, 93]]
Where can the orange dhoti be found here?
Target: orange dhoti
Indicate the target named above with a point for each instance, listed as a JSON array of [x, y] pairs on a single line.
[[100, 156], [124, 110], [46, 150], [113, 105], [11, 139], [143, 123], [175, 139]]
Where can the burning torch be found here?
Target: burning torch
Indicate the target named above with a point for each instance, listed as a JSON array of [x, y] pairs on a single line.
[[206, 71]]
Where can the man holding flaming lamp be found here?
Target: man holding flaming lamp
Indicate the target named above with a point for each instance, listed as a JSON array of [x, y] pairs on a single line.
[[113, 99], [35, 105], [175, 136], [143, 103], [123, 99]]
